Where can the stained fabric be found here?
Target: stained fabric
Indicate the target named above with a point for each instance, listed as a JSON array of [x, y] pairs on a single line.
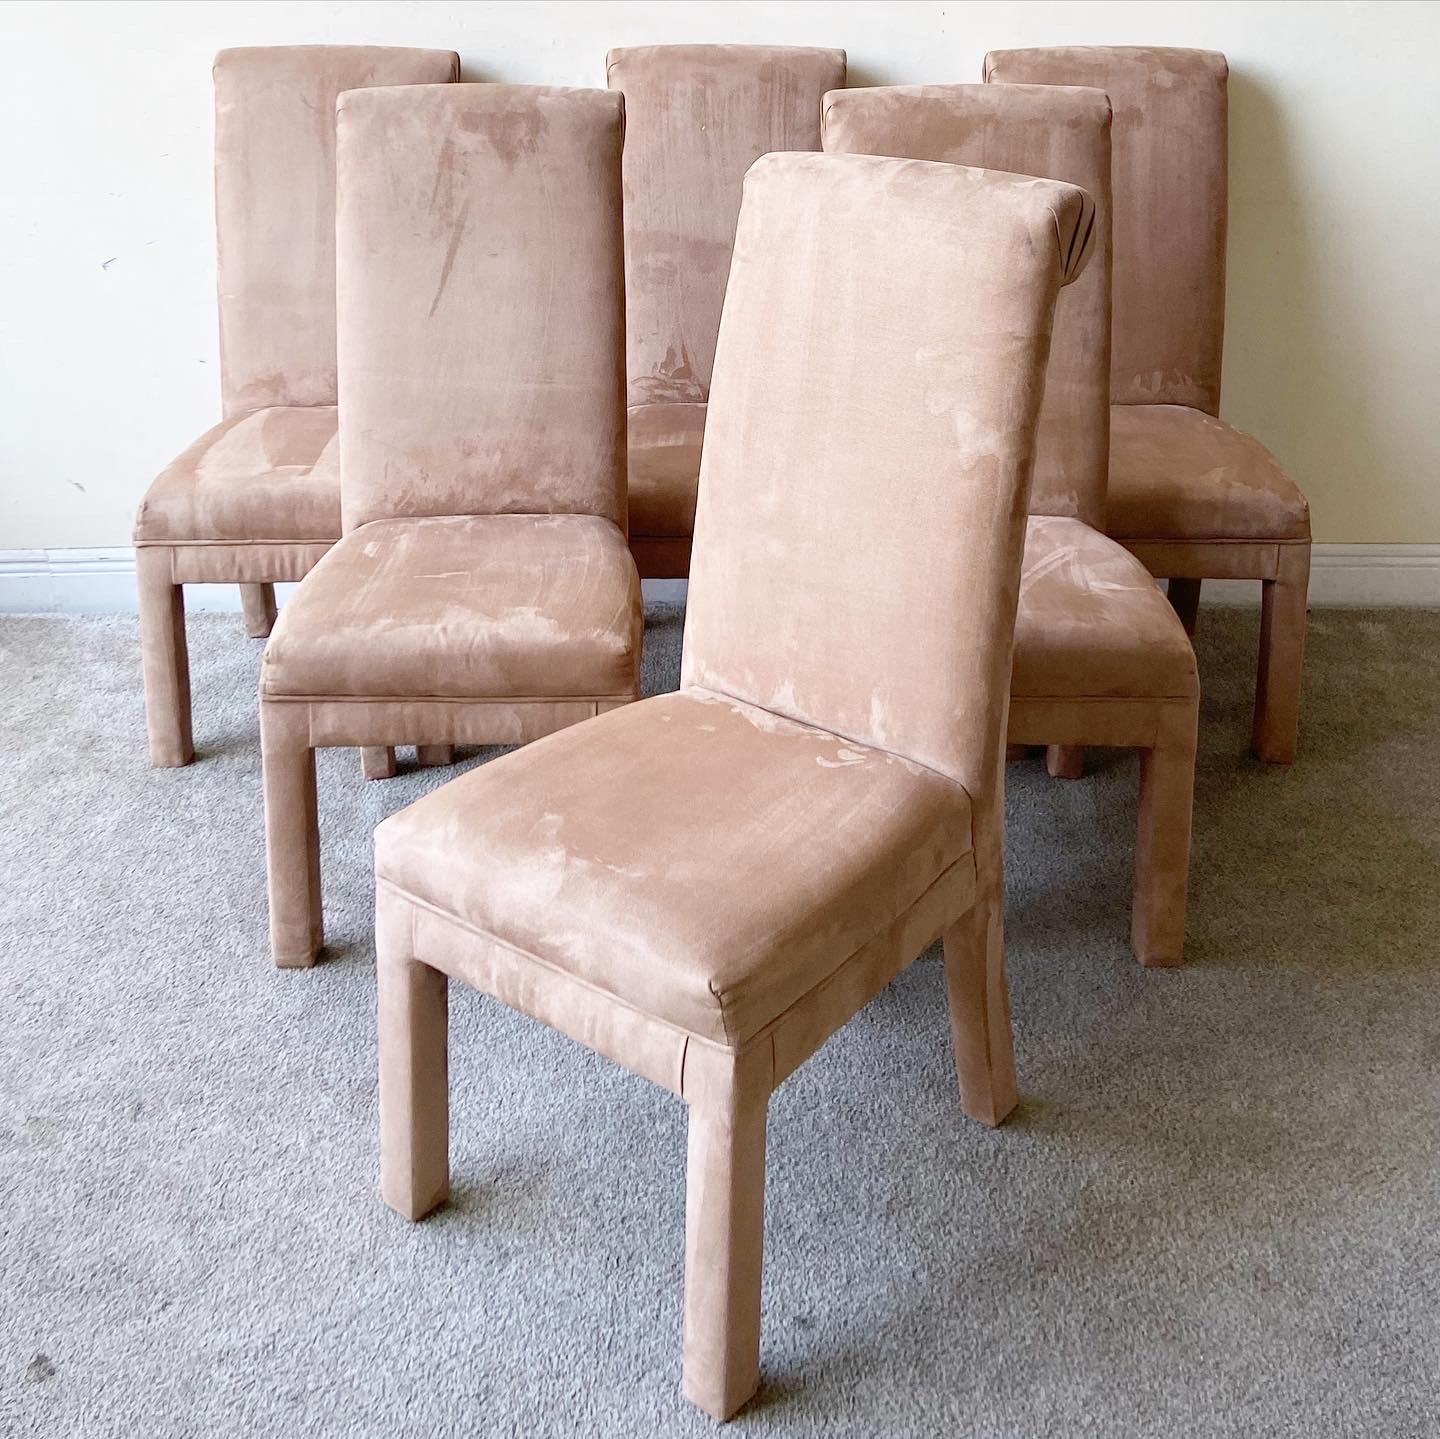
[[841, 480], [488, 606], [697, 117], [1169, 177], [267, 475], [481, 315], [664, 476], [1058, 133], [1091, 622], [275, 209], [1177, 474], [674, 864]]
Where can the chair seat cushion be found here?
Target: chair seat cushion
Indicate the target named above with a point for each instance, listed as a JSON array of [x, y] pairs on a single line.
[[266, 476], [1178, 475], [1091, 622], [702, 860], [664, 469], [470, 607]]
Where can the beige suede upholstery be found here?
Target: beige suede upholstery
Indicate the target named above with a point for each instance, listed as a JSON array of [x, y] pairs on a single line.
[[275, 209], [451, 425], [1030, 130], [1169, 176], [705, 885], [1093, 626], [1100, 658], [664, 475], [696, 117], [1180, 476], [1191, 497], [698, 908], [260, 477], [257, 498], [483, 592], [512, 606]]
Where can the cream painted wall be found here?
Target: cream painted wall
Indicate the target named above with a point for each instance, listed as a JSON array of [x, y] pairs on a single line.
[[107, 323]]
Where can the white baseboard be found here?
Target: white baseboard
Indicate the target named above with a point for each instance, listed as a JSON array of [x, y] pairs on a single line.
[[1361, 576], [102, 581], [673, 590], [90, 582]]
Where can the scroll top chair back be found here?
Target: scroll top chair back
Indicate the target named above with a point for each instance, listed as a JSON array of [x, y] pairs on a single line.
[[275, 209], [698, 115], [481, 344], [1170, 168], [856, 564], [1059, 134]]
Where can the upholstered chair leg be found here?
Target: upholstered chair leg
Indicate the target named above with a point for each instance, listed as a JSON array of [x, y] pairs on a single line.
[[1065, 761], [724, 1234], [378, 761], [258, 602], [414, 1069], [1015, 752], [1282, 655], [429, 755], [164, 659], [1162, 842], [1184, 597], [980, 1013], [292, 835]]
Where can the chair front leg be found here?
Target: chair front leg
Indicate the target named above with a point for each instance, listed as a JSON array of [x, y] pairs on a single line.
[[1275, 734], [414, 1068], [258, 602], [1162, 840], [980, 1012], [164, 659], [292, 835], [724, 1230]]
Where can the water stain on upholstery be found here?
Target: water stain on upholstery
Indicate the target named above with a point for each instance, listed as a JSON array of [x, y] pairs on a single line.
[[512, 134], [457, 234]]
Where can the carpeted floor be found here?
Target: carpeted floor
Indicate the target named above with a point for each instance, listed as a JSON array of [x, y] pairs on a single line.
[[1216, 1213]]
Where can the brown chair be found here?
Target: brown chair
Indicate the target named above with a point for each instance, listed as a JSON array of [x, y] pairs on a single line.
[[706, 885], [1191, 496], [696, 116], [1100, 658], [483, 592], [257, 498]]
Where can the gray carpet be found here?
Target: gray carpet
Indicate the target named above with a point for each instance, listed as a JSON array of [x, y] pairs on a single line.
[[1214, 1214]]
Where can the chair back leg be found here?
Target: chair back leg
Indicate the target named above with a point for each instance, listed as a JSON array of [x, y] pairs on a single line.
[[1065, 761], [258, 602], [378, 761], [1184, 597]]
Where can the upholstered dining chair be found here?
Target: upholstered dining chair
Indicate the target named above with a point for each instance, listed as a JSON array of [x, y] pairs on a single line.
[[257, 498], [483, 592], [1100, 657], [695, 118], [704, 886], [1191, 496]]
